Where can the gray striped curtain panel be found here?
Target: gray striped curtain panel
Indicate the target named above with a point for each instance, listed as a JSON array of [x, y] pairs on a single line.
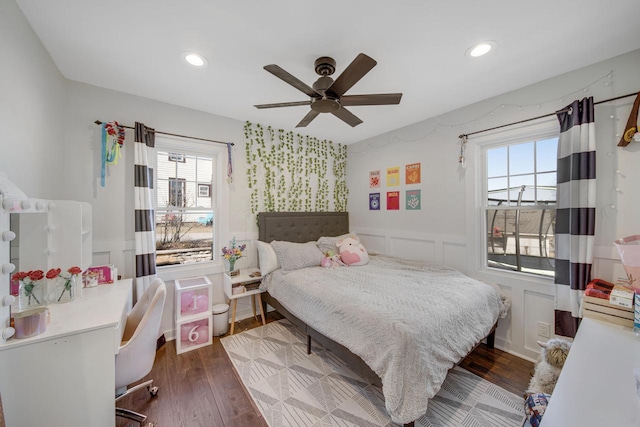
[[576, 212], [144, 208]]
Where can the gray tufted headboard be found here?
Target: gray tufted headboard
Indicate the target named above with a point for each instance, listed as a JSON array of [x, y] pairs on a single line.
[[301, 227]]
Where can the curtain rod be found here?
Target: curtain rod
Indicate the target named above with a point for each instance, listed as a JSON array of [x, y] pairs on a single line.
[[98, 122], [543, 116]]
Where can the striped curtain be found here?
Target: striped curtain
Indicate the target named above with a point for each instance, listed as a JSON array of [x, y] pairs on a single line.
[[144, 208], [576, 212]]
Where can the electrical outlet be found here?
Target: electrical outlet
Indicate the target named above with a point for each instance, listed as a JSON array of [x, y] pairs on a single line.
[[544, 329]]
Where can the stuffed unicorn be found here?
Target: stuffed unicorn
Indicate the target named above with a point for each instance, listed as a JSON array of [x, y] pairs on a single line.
[[352, 252]]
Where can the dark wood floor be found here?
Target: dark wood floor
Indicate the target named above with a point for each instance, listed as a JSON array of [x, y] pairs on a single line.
[[201, 388]]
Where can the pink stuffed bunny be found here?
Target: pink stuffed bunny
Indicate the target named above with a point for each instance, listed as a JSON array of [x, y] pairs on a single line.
[[352, 252]]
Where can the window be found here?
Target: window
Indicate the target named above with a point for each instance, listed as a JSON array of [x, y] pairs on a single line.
[[185, 204], [177, 192], [520, 179], [204, 190]]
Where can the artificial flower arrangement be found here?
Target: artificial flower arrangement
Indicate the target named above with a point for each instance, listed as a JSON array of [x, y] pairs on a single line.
[[233, 254], [69, 280], [30, 286]]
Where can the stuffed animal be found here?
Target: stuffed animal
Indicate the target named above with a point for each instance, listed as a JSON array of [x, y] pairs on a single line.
[[352, 252], [331, 259], [552, 358]]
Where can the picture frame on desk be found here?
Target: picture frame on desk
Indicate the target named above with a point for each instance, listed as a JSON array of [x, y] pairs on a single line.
[[104, 274]]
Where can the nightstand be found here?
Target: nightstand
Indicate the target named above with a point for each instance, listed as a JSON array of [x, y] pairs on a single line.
[[243, 279]]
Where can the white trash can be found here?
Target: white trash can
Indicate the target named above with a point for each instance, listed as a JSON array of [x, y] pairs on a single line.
[[220, 319]]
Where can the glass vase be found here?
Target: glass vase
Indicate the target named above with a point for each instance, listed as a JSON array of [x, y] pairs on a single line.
[[232, 269], [65, 290], [31, 295]]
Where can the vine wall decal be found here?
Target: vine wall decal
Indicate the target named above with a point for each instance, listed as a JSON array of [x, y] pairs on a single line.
[[289, 172]]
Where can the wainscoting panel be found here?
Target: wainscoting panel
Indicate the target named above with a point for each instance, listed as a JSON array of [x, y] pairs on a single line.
[[538, 307], [423, 250], [455, 255], [373, 243], [438, 248]]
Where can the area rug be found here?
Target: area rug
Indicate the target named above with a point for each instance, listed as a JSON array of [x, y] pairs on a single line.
[[294, 389]]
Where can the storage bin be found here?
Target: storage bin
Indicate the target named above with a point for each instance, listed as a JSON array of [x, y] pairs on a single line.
[[220, 319], [602, 309], [31, 322], [193, 334]]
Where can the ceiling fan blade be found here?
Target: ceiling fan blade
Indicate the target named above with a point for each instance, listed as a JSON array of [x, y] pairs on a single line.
[[352, 74], [347, 116], [283, 104], [292, 80], [372, 99], [307, 119]]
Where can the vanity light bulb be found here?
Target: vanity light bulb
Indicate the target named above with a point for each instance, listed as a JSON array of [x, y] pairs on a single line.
[[7, 300], [41, 206], [8, 236], [8, 268], [8, 332], [25, 204]]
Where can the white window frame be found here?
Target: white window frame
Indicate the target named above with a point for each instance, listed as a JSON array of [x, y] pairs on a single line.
[[477, 205], [221, 217]]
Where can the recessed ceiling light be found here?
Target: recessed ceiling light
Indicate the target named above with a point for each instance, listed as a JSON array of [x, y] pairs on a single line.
[[195, 59], [481, 48]]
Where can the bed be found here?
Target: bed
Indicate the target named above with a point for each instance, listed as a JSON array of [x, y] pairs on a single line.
[[401, 324]]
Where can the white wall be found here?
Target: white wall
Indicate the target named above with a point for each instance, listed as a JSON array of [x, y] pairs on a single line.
[[31, 94], [113, 204], [443, 231]]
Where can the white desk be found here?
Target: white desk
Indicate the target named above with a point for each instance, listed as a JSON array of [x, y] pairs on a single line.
[[66, 375], [596, 386]]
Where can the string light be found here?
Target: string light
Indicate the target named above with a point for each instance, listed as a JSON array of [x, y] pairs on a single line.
[[610, 207], [491, 114]]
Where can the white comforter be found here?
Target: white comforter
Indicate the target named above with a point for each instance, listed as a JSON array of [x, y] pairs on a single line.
[[409, 321]]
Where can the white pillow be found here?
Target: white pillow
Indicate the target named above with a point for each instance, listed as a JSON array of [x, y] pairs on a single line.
[[293, 256], [267, 258]]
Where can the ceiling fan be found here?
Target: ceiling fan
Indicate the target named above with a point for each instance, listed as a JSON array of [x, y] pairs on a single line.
[[327, 95]]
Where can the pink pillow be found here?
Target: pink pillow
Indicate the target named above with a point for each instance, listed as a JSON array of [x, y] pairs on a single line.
[[352, 252]]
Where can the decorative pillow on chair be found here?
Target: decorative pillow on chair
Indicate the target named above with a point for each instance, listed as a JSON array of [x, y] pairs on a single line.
[[293, 256], [352, 252], [267, 258]]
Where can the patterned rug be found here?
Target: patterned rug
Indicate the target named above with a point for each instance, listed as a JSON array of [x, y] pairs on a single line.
[[294, 389]]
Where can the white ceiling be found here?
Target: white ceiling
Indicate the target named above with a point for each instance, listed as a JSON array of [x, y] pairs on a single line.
[[136, 47]]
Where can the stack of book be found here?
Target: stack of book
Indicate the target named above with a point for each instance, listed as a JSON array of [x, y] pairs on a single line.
[[608, 302]]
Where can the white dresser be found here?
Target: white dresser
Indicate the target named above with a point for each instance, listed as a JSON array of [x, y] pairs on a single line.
[[597, 386]]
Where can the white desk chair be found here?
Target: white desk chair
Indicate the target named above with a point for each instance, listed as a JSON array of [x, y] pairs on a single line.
[[138, 348]]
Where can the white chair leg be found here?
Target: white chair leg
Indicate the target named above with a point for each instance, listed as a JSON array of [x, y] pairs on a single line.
[[147, 384], [126, 413], [132, 415]]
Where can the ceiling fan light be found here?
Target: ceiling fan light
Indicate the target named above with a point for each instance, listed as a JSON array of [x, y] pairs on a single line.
[[481, 49], [195, 59]]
